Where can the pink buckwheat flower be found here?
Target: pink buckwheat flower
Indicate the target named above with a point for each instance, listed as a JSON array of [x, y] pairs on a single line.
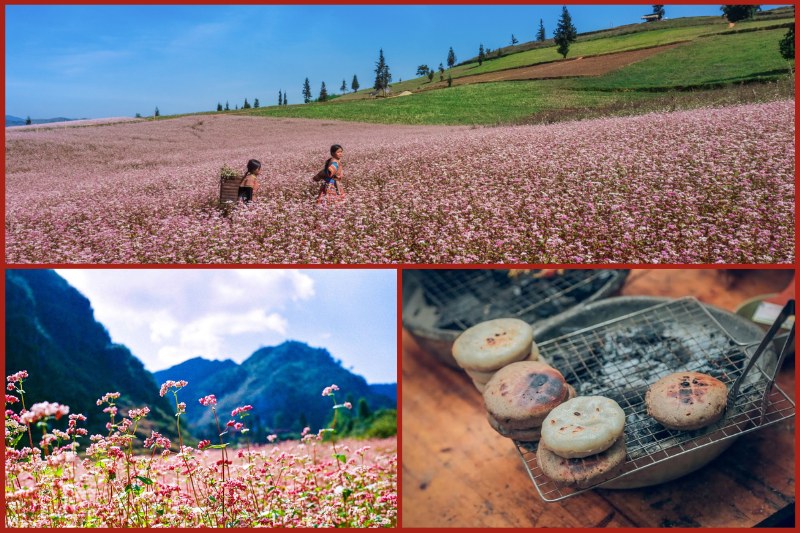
[[170, 384], [42, 410], [348, 405], [241, 409], [327, 391], [203, 444], [208, 400], [272, 438], [107, 397], [19, 376], [136, 414]]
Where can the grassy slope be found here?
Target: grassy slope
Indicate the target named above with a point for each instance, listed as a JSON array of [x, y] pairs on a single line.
[[717, 59], [489, 103], [641, 36], [713, 60]]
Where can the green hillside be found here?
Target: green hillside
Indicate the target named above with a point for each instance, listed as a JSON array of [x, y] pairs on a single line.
[[714, 60], [712, 64]]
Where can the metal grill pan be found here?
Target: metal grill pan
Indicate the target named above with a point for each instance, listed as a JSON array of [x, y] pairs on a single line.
[[438, 304], [621, 357]]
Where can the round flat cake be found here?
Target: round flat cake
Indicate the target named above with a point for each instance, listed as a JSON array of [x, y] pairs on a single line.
[[520, 395], [491, 345], [583, 426], [686, 400], [583, 472]]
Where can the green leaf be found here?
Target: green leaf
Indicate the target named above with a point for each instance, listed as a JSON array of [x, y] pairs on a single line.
[[136, 489], [217, 446], [341, 457], [145, 480], [346, 493]]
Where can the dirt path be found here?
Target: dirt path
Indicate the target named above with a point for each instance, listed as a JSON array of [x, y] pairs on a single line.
[[579, 66]]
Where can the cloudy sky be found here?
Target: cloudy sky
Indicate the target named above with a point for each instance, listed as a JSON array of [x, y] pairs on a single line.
[[90, 61], [166, 316]]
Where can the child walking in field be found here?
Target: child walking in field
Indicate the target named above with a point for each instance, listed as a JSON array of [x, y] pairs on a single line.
[[249, 184], [332, 173]]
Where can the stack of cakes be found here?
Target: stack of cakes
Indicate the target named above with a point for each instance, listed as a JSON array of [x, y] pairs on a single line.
[[489, 346], [520, 395], [583, 441]]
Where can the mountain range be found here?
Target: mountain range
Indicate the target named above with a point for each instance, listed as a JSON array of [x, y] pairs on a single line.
[[16, 121], [283, 383], [70, 358]]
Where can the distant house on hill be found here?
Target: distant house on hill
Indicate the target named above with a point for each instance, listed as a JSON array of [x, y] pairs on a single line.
[[651, 18]]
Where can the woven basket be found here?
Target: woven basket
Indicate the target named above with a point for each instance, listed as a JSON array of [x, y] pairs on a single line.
[[229, 181]]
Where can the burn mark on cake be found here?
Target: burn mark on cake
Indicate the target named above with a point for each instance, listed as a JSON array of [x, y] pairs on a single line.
[[543, 389]]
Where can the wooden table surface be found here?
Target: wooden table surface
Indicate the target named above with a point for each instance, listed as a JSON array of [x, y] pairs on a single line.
[[457, 472]]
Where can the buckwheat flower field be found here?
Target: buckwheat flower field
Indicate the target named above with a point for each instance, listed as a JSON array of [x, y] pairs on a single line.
[[702, 186], [58, 479]]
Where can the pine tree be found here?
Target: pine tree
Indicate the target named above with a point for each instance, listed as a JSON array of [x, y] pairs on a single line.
[[441, 72], [306, 92], [451, 58], [256, 105], [28, 121], [323, 93], [219, 106], [481, 55], [343, 88], [246, 104], [565, 33], [430, 75], [540, 34], [363, 409], [227, 107], [449, 80], [354, 84], [736, 13], [514, 40], [382, 74], [157, 112], [786, 44], [285, 102], [659, 10], [280, 97]]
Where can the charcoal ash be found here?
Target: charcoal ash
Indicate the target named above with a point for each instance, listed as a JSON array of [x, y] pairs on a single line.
[[633, 357]]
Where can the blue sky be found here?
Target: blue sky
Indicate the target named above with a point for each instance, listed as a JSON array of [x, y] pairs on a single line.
[[166, 316], [103, 61]]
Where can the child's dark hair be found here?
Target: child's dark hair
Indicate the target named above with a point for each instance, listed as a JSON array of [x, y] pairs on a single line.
[[335, 148], [252, 166]]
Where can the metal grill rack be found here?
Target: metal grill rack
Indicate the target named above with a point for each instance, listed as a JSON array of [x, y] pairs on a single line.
[[620, 358], [466, 297]]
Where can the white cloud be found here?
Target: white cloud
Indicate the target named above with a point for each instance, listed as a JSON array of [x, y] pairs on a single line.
[[168, 316], [162, 326]]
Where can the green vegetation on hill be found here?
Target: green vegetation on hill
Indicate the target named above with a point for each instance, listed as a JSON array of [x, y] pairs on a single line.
[[649, 36], [709, 67], [714, 60], [709, 62], [487, 103], [51, 332]]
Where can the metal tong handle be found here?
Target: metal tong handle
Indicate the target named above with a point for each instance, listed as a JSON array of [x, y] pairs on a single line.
[[787, 311]]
